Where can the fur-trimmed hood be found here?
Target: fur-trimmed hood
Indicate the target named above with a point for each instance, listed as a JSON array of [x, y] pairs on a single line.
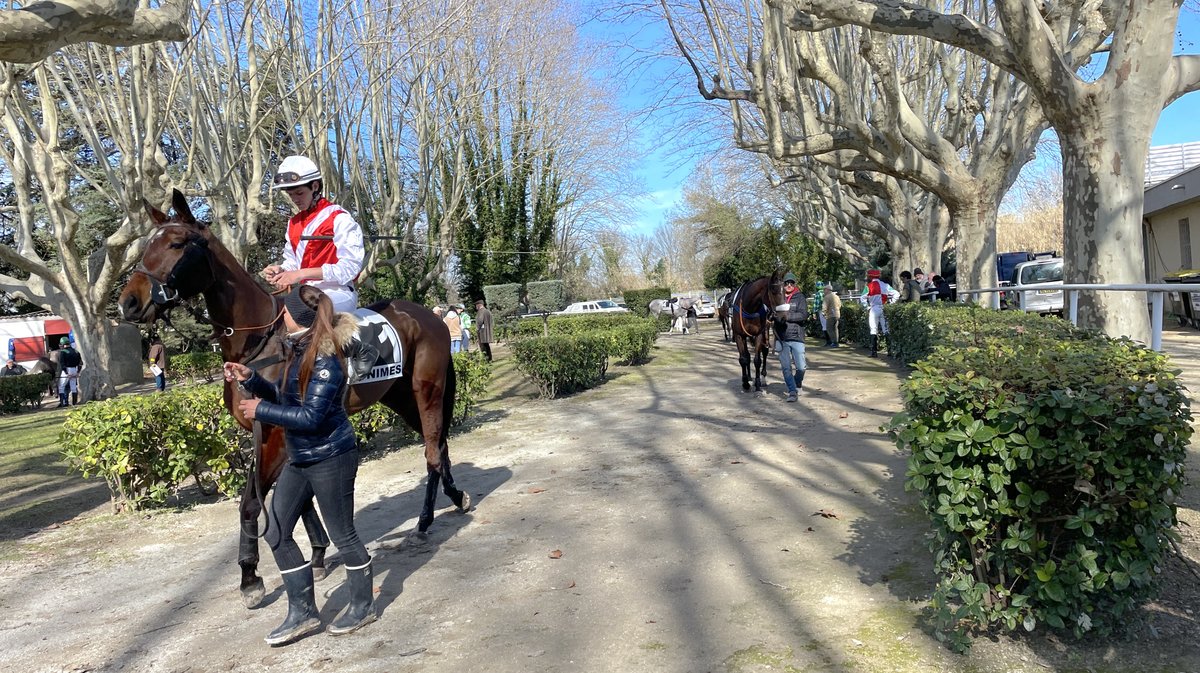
[[344, 330]]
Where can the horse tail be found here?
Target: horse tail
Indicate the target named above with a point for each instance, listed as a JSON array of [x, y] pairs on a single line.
[[448, 397]]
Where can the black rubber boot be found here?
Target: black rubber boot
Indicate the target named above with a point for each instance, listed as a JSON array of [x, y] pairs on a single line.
[[361, 611], [874, 345], [302, 616], [74, 399]]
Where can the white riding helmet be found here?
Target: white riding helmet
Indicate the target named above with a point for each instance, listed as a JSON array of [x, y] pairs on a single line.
[[295, 171]]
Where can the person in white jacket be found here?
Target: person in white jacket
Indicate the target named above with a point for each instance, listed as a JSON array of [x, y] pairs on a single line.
[[331, 264]]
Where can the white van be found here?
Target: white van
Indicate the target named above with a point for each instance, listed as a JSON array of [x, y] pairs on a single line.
[[1037, 286]]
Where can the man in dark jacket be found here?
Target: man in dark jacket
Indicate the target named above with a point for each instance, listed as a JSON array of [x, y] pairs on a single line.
[[483, 324], [910, 289], [11, 368], [789, 327]]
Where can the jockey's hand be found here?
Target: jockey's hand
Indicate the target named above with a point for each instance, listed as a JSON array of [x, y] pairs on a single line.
[[271, 274], [236, 371], [249, 407]]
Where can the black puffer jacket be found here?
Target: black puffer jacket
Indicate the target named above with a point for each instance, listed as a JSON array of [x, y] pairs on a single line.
[[319, 428]]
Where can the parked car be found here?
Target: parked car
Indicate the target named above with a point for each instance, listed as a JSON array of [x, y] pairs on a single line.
[[598, 306], [705, 308], [1037, 286]]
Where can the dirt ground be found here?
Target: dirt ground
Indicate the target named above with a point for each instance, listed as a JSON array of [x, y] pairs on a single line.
[[662, 522]]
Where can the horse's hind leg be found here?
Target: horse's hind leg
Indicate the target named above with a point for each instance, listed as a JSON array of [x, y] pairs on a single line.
[[252, 587], [317, 537]]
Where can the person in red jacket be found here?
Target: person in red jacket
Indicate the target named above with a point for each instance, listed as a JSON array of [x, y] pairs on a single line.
[[877, 294], [332, 265]]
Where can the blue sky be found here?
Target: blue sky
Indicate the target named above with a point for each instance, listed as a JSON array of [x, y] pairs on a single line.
[[665, 169]]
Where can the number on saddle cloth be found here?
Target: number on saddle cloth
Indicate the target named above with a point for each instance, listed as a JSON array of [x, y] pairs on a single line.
[[377, 354]]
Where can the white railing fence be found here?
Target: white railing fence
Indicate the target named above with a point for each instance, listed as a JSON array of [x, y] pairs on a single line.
[[1155, 294]]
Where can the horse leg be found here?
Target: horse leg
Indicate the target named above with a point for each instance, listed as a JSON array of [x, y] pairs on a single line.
[[318, 538], [744, 361], [252, 587], [758, 366]]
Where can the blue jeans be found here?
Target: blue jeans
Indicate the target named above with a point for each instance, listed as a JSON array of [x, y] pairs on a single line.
[[790, 351], [331, 482], [455, 345], [160, 381]]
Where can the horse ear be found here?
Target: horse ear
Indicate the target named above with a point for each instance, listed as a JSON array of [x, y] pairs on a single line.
[[156, 216], [182, 210]]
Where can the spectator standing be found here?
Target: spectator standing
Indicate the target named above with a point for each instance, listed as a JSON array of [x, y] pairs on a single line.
[[467, 324], [818, 301], [483, 322], [455, 326], [910, 288], [69, 364], [11, 368], [322, 460], [158, 363], [789, 327], [331, 265], [831, 310], [925, 283]]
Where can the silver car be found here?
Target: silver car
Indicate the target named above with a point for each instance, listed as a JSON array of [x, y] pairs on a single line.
[[1037, 286]]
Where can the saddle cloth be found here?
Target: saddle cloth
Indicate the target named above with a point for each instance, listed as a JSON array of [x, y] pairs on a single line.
[[375, 332]]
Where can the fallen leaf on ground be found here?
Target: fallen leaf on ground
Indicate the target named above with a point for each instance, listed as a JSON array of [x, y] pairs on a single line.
[[571, 585], [810, 529], [557, 553], [537, 490], [827, 513], [735, 462], [843, 415]]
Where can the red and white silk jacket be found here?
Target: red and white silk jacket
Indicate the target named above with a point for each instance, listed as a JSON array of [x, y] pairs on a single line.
[[339, 259]]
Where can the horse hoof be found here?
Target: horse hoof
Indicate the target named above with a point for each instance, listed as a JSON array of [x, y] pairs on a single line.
[[465, 504], [319, 573], [253, 595]]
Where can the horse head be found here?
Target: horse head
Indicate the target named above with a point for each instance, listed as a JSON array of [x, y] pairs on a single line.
[[175, 265]]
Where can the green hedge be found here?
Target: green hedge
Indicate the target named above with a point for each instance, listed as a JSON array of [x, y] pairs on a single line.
[[573, 324], [638, 301], [187, 367], [563, 364], [502, 300], [147, 446], [916, 328], [630, 343], [546, 295], [24, 389], [1049, 470]]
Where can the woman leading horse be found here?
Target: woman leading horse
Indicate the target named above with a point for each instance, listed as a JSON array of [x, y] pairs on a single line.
[[183, 259]]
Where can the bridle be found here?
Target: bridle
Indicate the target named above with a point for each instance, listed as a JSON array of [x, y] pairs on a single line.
[[764, 310]]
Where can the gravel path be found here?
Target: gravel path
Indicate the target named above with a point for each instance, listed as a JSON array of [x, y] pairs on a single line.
[[662, 522]]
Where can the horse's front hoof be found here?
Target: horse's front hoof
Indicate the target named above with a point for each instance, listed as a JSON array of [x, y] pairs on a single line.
[[464, 504], [423, 524], [319, 573], [253, 594]]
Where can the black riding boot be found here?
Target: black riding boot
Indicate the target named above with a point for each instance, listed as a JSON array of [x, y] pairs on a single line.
[[62, 400], [302, 616], [361, 610], [874, 345], [74, 399]]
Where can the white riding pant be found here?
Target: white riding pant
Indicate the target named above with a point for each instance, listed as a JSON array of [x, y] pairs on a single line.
[[876, 320], [344, 299]]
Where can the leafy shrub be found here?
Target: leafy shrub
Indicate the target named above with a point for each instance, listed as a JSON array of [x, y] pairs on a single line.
[[502, 300], [638, 301], [574, 324], [1049, 469], [24, 389], [146, 446], [561, 365], [917, 327], [187, 367], [546, 295], [630, 343]]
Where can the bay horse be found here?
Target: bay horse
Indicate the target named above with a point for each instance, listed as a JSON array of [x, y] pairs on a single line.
[[182, 259], [751, 310]]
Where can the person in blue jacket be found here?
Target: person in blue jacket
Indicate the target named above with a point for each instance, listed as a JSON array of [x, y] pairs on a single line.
[[322, 459]]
